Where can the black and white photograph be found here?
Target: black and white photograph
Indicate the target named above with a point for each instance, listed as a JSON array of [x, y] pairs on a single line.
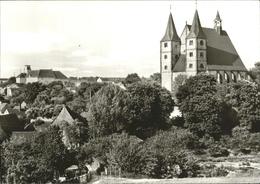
[[130, 92]]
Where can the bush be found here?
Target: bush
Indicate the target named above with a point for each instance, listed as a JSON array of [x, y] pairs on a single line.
[[218, 151], [170, 155]]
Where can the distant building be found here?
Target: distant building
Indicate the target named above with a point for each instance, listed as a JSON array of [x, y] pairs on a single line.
[[43, 75], [199, 50]]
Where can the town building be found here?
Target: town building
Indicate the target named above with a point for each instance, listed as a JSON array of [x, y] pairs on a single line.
[[43, 75], [199, 50]]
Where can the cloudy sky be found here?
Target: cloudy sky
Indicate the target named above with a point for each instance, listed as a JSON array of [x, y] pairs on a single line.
[[112, 38]]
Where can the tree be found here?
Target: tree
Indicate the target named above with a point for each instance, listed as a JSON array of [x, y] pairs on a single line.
[[171, 155], [245, 98], [201, 107], [32, 90], [107, 111], [255, 73], [38, 159], [156, 77], [178, 81], [131, 78], [149, 108]]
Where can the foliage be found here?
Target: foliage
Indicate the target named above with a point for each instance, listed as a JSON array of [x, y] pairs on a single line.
[[126, 153], [243, 140], [255, 73], [245, 98], [156, 77], [149, 109], [178, 81], [202, 109], [32, 90], [107, 111], [170, 151], [76, 133], [38, 159], [131, 78]]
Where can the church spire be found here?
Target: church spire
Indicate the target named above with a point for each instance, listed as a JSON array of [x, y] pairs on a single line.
[[218, 23], [218, 17], [171, 33], [196, 29]]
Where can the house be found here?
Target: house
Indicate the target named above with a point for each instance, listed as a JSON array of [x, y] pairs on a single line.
[[67, 117], [199, 50]]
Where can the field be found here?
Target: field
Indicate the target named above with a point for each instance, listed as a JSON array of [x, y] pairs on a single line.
[[246, 180]]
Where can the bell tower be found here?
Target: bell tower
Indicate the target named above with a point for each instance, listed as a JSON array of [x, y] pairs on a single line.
[[169, 53], [196, 44]]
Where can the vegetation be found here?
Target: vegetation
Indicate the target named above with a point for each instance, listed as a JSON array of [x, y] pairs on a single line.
[[131, 129]]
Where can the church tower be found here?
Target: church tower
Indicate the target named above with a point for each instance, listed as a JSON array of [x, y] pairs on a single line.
[[169, 53], [196, 45], [218, 23]]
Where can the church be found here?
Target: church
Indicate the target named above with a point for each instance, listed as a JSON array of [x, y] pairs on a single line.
[[199, 50]]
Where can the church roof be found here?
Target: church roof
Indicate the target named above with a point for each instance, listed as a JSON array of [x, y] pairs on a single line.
[[221, 53], [171, 33], [46, 73], [196, 29]]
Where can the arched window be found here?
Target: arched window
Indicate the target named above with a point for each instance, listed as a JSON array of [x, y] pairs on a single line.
[[226, 77], [165, 67], [165, 56], [238, 76], [201, 65], [219, 78], [201, 42]]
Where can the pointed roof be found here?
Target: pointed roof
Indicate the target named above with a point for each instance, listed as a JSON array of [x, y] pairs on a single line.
[[67, 115], [196, 29], [171, 33], [218, 17]]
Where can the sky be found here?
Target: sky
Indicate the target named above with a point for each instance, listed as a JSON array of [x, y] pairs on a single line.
[[112, 38]]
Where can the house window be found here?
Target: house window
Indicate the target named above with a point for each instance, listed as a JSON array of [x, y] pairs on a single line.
[[201, 42], [191, 54], [165, 56], [201, 65], [165, 44], [165, 67], [201, 54], [191, 42], [190, 65]]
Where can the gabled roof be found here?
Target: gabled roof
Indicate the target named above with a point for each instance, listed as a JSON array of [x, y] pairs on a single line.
[[67, 115], [46, 73], [171, 33], [196, 29], [221, 53]]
